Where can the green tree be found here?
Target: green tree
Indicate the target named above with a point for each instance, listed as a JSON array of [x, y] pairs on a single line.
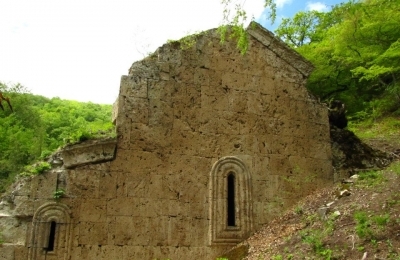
[[21, 132], [40, 125], [301, 29], [355, 51]]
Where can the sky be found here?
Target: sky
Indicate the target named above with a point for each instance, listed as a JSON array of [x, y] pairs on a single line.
[[78, 50]]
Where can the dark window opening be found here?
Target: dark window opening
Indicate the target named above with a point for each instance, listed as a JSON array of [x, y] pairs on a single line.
[[52, 236], [231, 200]]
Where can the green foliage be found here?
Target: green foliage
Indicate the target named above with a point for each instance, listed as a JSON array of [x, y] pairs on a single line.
[[363, 229], [37, 168], [314, 239], [235, 17], [58, 194], [371, 178], [387, 128], [382, 220], [365, 224], [40, 125], [395, 167], [301, 29], [186, 42], [299, 210], [355, 49]]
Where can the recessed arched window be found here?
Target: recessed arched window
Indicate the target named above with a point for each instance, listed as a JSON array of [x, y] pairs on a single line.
[[50, 232], [231, 207], [52, 237], [231, 200]]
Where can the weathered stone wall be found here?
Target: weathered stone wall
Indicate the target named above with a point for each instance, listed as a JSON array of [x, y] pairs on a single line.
[[187, 121]]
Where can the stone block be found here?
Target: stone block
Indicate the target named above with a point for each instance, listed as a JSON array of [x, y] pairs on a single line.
[[137, 252], [13, 230], [7, 252], [123, 133], [92, 233], [226, 123], [93, 151], [178, 231], [159, 231], [44, 185], [160, 114], [137, 109], [131, 231], [93, 210], [123, 206], [83, 184], [160, 90], [133, 86], [279, 164], [20, 252], [238, 101], [90, 252], [148, 140], [111, 252], [201, 77], [201, 237], [108, 184], [258, 103], [24, 207], [217, 99]]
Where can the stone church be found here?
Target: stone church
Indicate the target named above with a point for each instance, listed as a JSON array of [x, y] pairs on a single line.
[[211, 144]]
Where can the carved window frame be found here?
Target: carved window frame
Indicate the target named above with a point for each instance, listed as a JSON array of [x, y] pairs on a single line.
[[41, 228], [220, 231]]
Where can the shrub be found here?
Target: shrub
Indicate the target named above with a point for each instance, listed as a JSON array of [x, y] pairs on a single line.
[[363, 225], [58, 194]]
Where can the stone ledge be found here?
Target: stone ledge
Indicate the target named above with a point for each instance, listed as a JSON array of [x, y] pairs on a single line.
[[93, 151]]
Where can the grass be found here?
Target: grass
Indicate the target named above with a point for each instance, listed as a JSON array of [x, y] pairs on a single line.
[[367, 223], [395, 167], [371, 178], [362, 227], [386, 128]]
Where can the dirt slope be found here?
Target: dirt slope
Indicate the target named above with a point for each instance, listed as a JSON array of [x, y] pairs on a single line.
[[358, 218]]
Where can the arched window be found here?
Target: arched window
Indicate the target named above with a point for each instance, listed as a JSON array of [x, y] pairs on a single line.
[[231, 200], [51, 232], [52, 237], [230, 208]]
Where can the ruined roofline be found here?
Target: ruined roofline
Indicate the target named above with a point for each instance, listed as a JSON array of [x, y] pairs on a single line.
[[281, 49], [258, 32]]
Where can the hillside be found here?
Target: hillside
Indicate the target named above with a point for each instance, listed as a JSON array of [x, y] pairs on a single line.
[[37, 126], [357, 218]]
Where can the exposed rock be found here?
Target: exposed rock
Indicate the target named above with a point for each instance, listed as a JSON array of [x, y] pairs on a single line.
[[337, 114], [349, 152]]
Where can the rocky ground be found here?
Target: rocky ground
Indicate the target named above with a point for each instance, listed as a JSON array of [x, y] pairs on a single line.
[[357, 218]]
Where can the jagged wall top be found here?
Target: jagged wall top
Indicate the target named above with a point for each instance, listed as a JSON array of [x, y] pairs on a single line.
[[171, 51]]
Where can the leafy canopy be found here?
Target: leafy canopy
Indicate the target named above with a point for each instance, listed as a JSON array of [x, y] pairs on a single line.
[[40, 125], [355, 49]]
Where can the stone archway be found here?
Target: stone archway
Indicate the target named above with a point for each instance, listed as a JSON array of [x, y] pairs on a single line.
[[51, 232], [230, 188]]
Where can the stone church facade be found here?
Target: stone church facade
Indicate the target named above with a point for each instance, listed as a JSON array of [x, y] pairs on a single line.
[[211, 145]]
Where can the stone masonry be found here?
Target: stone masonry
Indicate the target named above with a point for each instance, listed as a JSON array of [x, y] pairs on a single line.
[[211, 145]]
